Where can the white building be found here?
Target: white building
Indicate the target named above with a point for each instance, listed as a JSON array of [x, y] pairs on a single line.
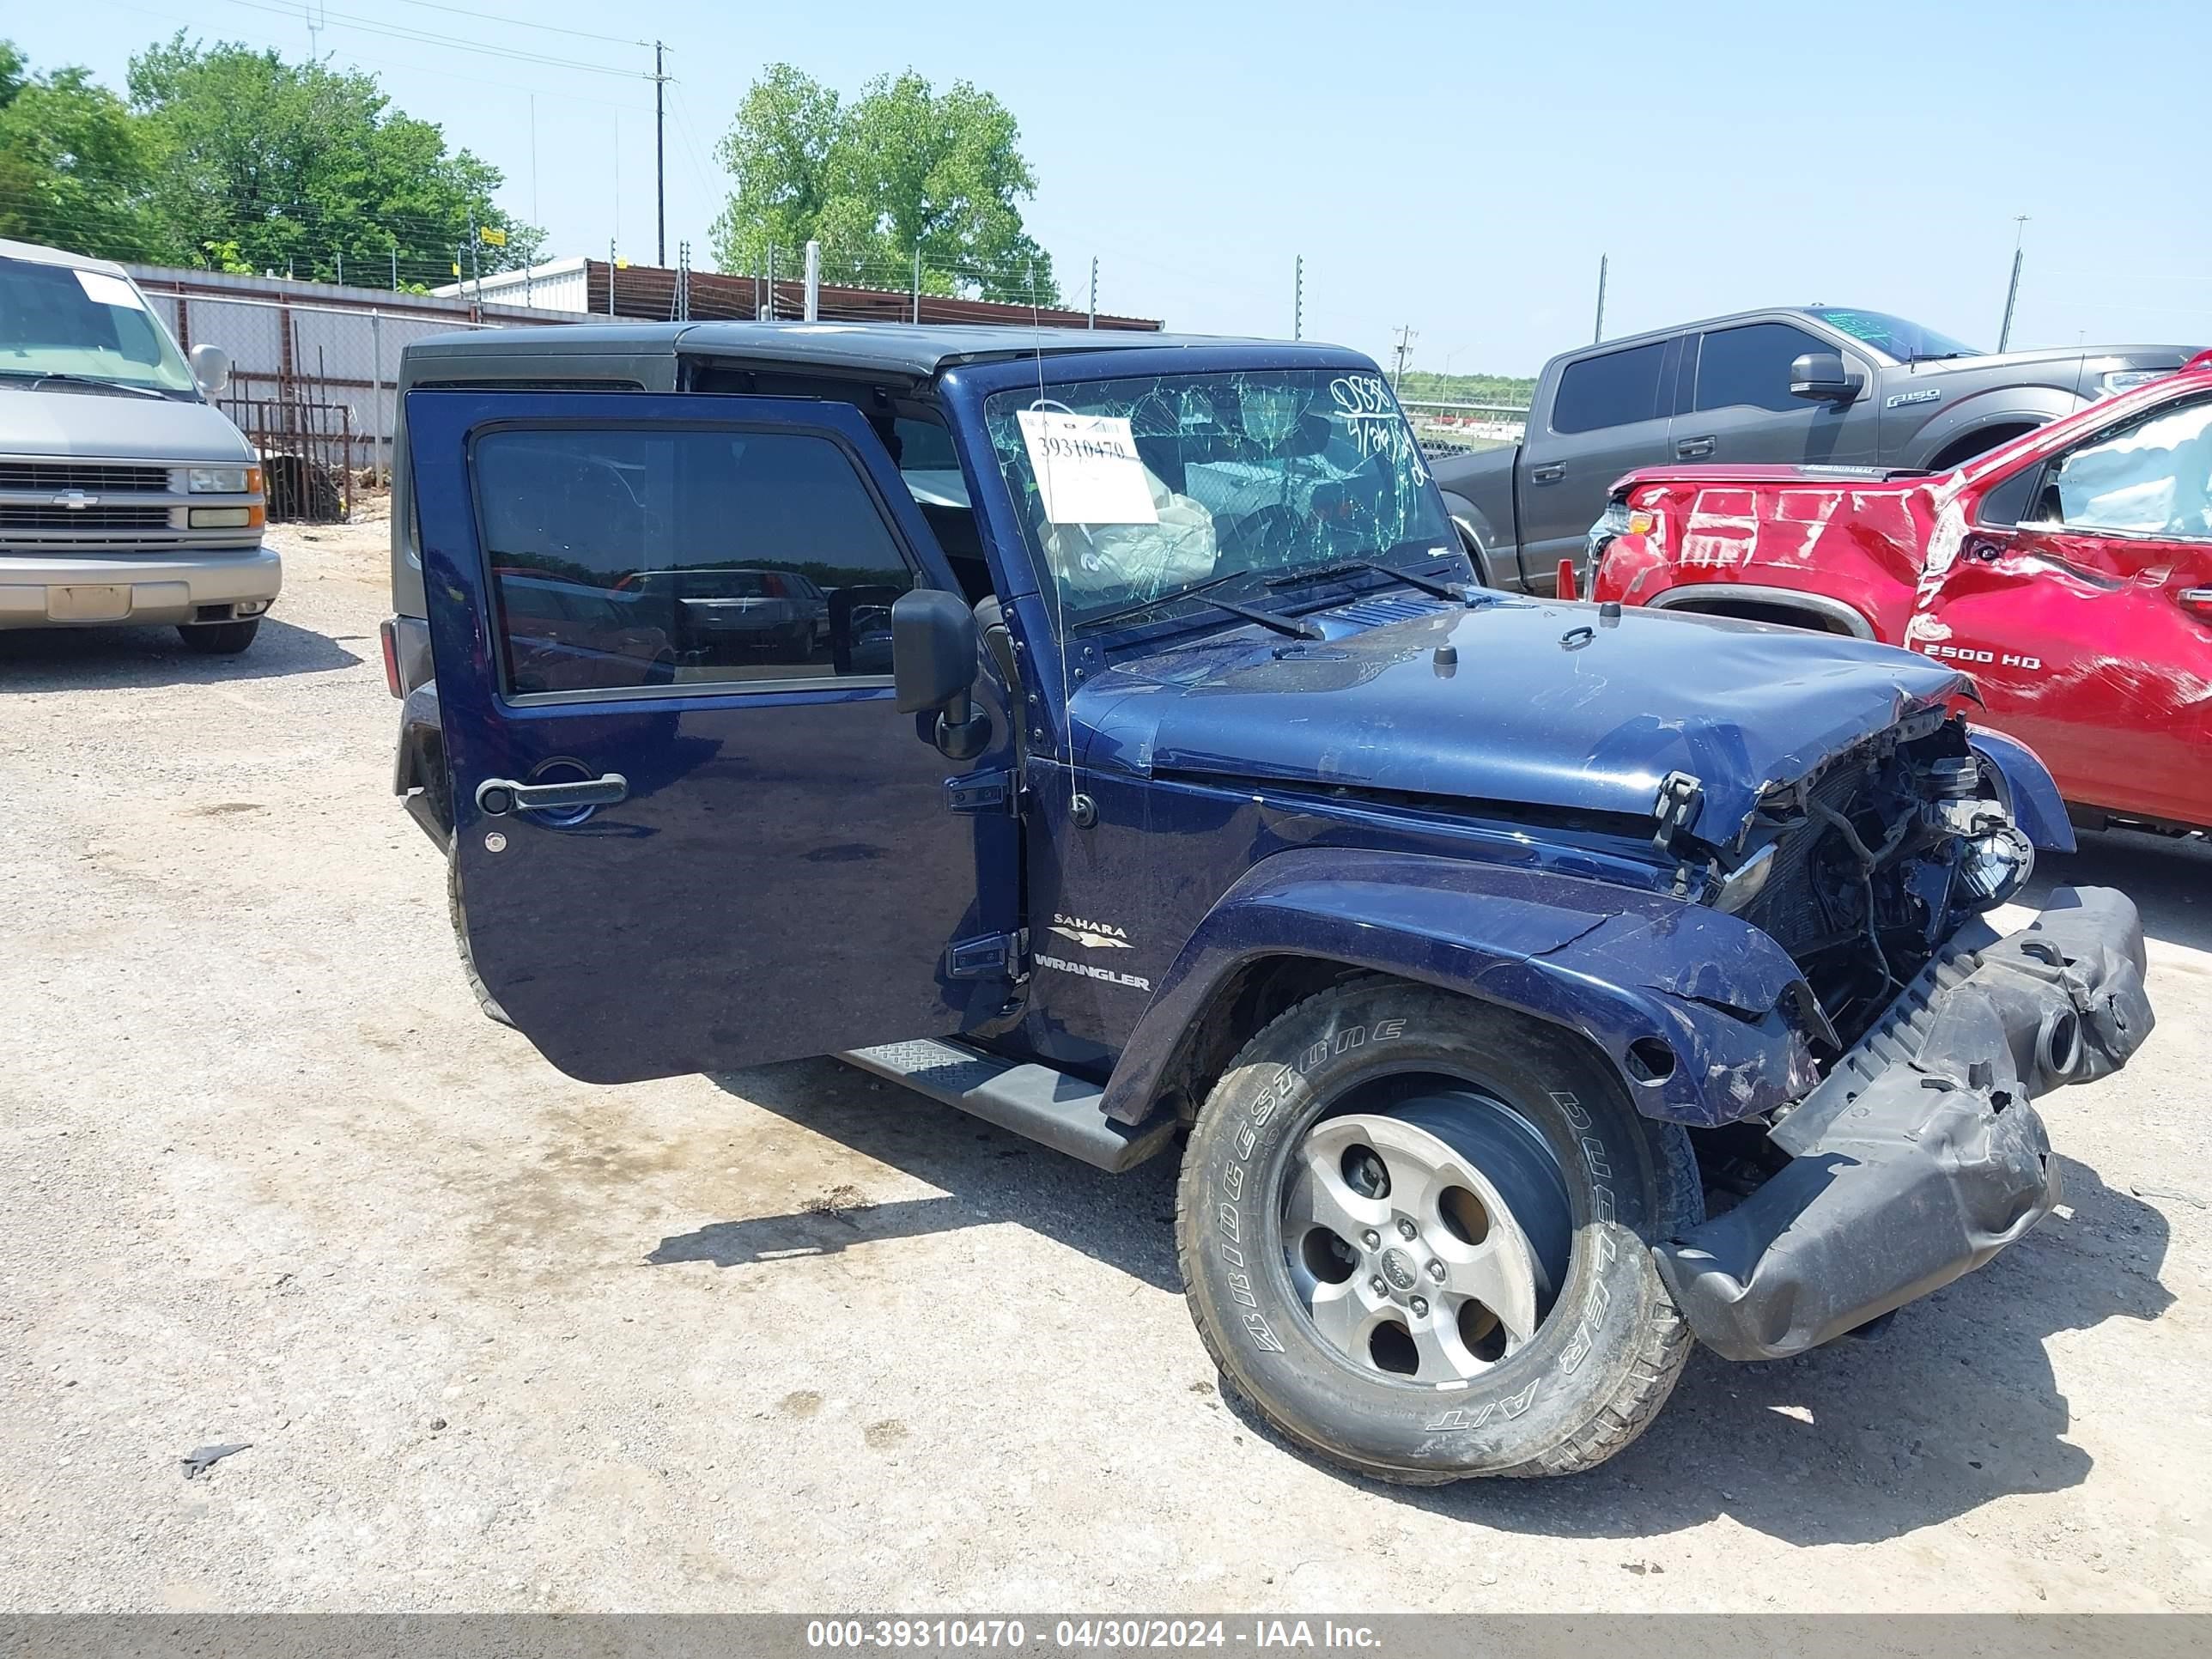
[[554, 285]]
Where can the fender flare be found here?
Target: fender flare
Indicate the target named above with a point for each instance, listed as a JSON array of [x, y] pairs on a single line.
[[418, 766], [2036, 804], [1616, 966], [2018, 406]]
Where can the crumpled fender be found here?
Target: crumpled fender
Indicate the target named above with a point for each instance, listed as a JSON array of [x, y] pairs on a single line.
[[1616, 965], [2037, 807]]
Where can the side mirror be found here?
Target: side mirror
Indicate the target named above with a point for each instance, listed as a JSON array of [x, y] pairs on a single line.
[[212, 369], [1820, 377], [934, 666]]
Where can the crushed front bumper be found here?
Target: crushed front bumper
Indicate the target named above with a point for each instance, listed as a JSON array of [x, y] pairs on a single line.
[[1918, 1157]]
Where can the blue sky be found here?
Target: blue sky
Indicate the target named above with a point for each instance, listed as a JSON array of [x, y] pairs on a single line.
[[1455, 168]]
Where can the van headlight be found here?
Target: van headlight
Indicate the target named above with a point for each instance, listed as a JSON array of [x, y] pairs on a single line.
[[221, 480]]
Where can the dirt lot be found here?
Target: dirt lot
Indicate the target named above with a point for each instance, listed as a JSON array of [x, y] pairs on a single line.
[[793, 1339]]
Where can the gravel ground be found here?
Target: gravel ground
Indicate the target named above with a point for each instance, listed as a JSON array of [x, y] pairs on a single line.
[[794, 1340]]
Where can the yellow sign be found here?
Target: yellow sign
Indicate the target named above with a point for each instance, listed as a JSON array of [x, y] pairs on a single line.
[[457, 267], [492, 238]]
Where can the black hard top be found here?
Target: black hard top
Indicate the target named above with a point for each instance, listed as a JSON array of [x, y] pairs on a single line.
[[899, 348]]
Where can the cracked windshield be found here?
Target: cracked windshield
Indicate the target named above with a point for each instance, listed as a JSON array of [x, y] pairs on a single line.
[[1135, 489]]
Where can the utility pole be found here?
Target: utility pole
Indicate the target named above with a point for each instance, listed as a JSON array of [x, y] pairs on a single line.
[[340, 254], [917, 281], [659, 162], [1406, 339], [1094, 290], [395, 267], [813, 281], [1298, 300], [475, 264], [1598, 333], [2012, 294]]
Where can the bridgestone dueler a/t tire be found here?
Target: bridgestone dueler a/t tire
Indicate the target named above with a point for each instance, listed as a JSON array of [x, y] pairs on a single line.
[[1604, 1359]]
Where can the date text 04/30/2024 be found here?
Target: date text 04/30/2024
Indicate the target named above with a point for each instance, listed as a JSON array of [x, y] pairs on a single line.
[[1089, 1634]]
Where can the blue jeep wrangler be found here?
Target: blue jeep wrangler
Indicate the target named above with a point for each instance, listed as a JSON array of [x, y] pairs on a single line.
[[1100, 735]]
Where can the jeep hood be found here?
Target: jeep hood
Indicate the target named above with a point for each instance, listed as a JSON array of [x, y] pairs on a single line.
[[80, 425], [1511, 701]]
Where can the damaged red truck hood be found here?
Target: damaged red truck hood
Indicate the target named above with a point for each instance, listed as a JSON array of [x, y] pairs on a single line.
[[2089, 640]]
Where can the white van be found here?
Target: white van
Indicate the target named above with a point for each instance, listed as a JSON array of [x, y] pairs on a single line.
[[125, 497]]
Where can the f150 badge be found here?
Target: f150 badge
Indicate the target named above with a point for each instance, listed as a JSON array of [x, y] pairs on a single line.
[[1927, 396], [1090, 935]]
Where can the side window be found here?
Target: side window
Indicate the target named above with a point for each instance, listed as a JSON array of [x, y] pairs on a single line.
[[1750, 366], [692, 557], [2008, 502], [1616, 389], [2152, 477]]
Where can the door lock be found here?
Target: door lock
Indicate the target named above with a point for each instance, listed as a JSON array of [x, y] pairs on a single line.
[[498, 797]]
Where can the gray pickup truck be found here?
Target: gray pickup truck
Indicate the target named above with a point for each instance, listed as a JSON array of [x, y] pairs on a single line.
[[1817, 385]]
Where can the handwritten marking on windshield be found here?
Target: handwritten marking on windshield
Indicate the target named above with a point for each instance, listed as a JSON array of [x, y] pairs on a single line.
[[1364, 404]]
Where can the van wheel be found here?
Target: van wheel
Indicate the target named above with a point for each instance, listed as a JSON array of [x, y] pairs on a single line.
[[1415, 1233], [219, 639], [459, 918]]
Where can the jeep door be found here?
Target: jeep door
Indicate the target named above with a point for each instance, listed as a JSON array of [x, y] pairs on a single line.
[[682, 851], [1738, 410], [2080, 601], [1609, 413]]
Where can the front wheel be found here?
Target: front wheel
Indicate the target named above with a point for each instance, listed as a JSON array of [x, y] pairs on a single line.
[[1415, 1233], [225, 639]]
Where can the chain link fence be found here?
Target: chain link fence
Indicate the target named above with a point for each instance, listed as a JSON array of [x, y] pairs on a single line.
[[1456, 427]]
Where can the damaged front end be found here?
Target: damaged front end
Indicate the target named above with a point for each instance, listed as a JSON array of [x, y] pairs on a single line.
[[1916, 1157]]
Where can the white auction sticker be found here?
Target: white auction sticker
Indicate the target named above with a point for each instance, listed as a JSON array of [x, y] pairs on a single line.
[[1087, 468], [107, 291]]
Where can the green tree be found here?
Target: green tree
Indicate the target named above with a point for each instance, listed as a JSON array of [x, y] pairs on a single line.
[[902, 167], [296, 167], [75, 169], [1467, 388]]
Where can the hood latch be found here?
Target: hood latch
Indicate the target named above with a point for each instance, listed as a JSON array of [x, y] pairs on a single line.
[[1680, 795]]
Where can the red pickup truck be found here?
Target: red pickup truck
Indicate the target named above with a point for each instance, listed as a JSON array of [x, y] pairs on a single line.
[[2069, 571]]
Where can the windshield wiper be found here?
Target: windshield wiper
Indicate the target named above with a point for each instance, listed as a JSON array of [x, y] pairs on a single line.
[[39, 377], [1296, 630], [1939, 356], [1443, 589]]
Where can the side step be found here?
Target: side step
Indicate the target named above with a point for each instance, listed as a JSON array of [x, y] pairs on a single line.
[[1049, 1107]]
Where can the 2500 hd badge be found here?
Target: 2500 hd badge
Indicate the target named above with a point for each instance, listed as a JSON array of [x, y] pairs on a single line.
[[1449, 1009]]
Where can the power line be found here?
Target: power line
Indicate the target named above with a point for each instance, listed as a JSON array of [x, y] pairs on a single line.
[[523, 23], [471, 77], [429, 37]]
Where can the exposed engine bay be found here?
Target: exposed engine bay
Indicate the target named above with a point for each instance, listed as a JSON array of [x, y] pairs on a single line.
[[1864, 867]]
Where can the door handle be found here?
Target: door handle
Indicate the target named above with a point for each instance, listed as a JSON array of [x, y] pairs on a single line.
[[498, 797], [1552, 474], [1690, 449]]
